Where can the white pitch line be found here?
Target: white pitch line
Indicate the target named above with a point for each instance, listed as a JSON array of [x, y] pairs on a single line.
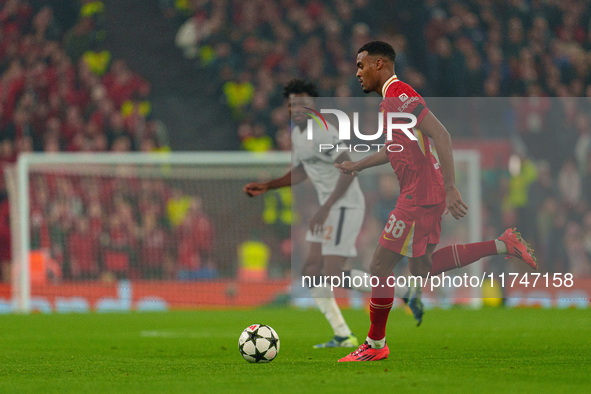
[[173, 334]]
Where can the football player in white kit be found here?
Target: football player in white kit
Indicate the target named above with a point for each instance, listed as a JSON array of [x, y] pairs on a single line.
[[333, 230]]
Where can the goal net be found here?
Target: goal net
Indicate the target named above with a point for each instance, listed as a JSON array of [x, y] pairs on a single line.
[[146, 232], [170, 231]]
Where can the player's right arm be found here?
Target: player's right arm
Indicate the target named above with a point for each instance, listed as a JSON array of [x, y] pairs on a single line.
[[433, 128], [353, 167], [293, 177]]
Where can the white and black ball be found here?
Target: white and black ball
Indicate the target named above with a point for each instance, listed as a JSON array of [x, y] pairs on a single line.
[[258, 343]]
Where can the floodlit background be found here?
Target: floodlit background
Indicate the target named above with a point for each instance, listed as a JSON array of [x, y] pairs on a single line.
[[169, 76], [188, 94]]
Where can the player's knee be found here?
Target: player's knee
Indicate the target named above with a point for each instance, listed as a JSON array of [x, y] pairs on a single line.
[[333, 270], [333, 265], [420, 267], [417, 270], [380, 268], [312, 268]]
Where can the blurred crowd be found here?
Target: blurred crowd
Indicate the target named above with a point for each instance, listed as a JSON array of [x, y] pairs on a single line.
[[546, 188], [121, 228], [471, 48], [252, 48], [61, 90]]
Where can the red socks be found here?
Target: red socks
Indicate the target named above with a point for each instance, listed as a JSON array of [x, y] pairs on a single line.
[[382, 298], [456, 256], [445, 259]]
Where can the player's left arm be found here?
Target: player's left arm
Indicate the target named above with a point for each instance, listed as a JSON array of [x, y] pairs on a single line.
[[341, 187], [432, 127]]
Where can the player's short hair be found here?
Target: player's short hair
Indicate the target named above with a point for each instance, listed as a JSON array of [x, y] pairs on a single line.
[[296, 86], [379, 48]]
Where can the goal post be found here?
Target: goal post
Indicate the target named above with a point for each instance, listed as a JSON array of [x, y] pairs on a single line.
[[242, 257], [211, 175]]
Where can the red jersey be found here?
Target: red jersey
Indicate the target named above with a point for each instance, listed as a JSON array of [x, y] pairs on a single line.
[[417, 169]]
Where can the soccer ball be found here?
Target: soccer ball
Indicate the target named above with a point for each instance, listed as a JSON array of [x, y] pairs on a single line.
[[258, 343]]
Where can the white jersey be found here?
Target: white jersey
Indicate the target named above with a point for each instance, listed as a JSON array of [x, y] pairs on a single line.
[[319, 166]]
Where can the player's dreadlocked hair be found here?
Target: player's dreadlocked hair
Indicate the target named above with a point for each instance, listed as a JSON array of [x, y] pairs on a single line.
[[379, 48], [300, 86]]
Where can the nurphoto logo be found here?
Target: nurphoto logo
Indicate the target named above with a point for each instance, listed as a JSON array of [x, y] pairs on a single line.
[[344, 128]]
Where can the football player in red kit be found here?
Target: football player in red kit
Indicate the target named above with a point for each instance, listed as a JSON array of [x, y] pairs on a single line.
[[427, 190]]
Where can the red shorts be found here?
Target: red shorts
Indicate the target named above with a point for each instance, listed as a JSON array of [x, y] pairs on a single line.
[[411, 228]]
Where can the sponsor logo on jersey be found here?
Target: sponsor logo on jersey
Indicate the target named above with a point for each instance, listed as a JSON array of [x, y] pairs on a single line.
[[403, 97], [407, 102]]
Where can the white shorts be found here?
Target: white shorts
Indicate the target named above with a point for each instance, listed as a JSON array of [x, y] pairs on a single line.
[[340, 232]]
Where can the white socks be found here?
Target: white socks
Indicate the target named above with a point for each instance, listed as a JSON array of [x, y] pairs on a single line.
[[363, 280], [376, 344], [501, 247], [328, 306]]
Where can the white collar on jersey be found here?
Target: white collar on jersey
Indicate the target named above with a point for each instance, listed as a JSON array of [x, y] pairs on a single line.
[[393, 78]]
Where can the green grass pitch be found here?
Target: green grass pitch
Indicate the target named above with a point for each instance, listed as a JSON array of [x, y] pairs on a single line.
[[458, 350]]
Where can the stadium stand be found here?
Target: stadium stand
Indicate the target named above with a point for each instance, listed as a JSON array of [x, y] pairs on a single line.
[[511, 48], [60, 88], [61, 91]]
